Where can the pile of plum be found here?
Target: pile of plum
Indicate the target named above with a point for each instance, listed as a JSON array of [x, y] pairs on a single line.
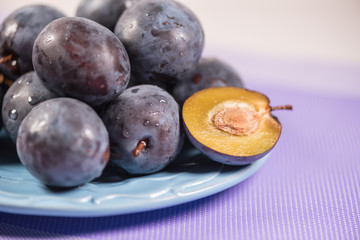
[[104, 87]]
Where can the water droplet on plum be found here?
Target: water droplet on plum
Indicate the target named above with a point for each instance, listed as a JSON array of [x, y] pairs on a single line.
[[33, 100], [49, 39], [126, 133], [13, 114]]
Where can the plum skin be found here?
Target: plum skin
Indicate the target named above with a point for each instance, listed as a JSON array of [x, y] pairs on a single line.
[[164, 40], [209, 72], [1, 101], [63, 143], [143, 112], [105, 12]]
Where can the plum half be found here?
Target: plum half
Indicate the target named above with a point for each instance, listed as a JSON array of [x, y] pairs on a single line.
[[231, 125]]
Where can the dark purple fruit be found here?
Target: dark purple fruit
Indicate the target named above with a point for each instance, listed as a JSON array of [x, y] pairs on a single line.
[[210, 72], [63, 143], [163, 38], [1, 100], [105, 12], [79, 58], [17, 35], [144, 129], [22, 96]]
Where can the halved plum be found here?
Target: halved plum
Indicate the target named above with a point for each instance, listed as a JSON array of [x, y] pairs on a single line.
[[231, 125]]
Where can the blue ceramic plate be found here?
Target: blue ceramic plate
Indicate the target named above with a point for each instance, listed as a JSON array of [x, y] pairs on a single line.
[[191, 177]]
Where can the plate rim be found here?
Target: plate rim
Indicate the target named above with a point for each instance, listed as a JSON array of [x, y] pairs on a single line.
[[239, 176]]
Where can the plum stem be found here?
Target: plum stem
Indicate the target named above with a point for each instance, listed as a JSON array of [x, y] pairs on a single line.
[[141, 145], [6, 58], [3, 80], [284, 107]]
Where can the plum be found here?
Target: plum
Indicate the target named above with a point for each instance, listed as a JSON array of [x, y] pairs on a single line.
[[144, 128], [17, 35], [105, 12], [1, 100], [164, 40], [231, 125], [210, 72], [79, 58], [22, 96], [63, 143]]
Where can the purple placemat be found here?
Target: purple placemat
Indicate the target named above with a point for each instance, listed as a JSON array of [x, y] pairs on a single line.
[[308, 189]]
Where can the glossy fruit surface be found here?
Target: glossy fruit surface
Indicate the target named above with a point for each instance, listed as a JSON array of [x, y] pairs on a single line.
[[1, 100], [210, 72], [22, 96], [163, 38], [144, 128], [18, 32], [105, 12], [79, 58], [63, 143], [231, 125]]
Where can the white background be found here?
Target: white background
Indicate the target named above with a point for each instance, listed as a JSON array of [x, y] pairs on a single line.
[[306, 44]]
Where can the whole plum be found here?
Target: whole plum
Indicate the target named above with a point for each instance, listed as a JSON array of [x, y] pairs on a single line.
[[163, 38], [63, 143], [17, 35], [77, 57], [210, 72], [144, 129], [105, 12], [22, 96], [1, 100]]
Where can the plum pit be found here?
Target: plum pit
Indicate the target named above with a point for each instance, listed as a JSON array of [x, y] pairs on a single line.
[[241, 121]]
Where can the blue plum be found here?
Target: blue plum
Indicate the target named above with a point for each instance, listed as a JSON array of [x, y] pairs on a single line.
[[164, 40], [1, 100], [77, 57], [105, 12], [63, 143], [144, 128], [210, 72], [17, 35], [22, 96]]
